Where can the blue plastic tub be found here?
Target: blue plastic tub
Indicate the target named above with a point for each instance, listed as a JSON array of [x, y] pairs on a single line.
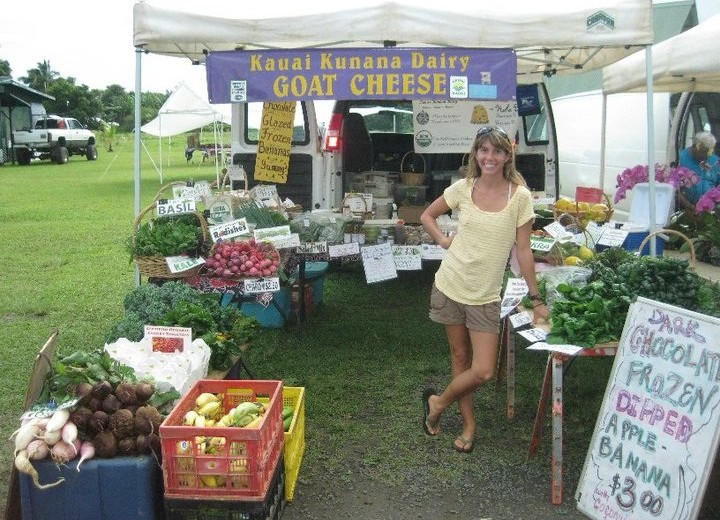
[[634, 239], [103, 489], [314, 275], [274, 315]]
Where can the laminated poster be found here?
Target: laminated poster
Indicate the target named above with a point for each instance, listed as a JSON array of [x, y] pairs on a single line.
[[656, 435]]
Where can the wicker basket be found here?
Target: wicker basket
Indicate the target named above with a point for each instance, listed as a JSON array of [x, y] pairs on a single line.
[[584, 216], [156, 266], [412, 178], [660, 232]]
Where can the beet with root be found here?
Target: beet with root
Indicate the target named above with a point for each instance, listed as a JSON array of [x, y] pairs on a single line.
[[127, 446], [144, 391], [111, 404], [125, 392], [152, 415], [122, 423], [106, 445], [101, 390]]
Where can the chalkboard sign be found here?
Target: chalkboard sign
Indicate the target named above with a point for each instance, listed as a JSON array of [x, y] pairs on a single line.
[[656, 435]]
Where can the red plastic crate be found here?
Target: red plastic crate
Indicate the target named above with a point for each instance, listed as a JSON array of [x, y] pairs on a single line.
[[243, 460]]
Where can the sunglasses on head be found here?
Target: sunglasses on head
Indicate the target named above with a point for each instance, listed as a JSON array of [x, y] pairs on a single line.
[[488, 129]]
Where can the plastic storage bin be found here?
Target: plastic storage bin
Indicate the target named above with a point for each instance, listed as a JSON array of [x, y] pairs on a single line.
[[243, 462], [294, 438], [269, 508], [103, 489]]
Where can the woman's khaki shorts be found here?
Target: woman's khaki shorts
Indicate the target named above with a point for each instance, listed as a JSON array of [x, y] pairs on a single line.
[[481, 318]]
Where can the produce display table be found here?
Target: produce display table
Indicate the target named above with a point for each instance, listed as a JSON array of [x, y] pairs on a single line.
[[552, 389]]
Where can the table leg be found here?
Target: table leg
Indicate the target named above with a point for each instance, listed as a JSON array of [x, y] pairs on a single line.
[[510, 355], [557, 429], [501, 360], [540, 414]]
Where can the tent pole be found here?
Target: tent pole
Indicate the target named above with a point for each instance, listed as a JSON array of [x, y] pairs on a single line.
[[651, 145], [603, 129], [215, 139], [138, 77]]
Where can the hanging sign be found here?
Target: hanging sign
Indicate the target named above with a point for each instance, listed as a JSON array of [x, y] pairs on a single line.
[[360, 73], [657, 431], [274, 141]]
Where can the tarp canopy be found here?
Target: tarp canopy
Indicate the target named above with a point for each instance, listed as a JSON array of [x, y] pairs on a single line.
[[684, 63], [183, 111], [549, 37]]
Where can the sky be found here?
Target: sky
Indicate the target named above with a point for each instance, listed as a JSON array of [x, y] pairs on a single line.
[[92, 40]]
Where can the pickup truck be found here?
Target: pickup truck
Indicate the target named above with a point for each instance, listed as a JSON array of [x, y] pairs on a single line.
[[55, 138]]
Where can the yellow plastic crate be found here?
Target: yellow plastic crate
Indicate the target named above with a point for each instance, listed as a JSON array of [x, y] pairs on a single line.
[[294, 438]]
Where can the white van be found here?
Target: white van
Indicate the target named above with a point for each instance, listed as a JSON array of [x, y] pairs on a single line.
[[375, 136], [578, 121]]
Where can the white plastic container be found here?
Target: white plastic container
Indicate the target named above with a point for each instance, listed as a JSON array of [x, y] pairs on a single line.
[[640, 205]]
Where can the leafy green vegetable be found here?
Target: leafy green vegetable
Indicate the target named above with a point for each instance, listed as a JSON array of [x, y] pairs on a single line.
[[167, 236]]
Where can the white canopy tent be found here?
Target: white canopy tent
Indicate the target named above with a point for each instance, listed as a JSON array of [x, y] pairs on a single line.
[[684, 63], [183, 111], [549, 38]]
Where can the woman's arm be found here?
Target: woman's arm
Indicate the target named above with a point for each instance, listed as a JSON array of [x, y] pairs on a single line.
[[429, 222], [527, 267]]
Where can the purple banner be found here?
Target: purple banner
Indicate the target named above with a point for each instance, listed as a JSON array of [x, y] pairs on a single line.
[[373, 73]]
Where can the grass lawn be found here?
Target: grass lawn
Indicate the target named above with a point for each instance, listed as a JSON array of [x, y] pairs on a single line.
[[363, 356]]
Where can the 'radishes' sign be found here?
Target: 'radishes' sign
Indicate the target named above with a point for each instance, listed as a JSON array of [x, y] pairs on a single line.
[[657, 431]]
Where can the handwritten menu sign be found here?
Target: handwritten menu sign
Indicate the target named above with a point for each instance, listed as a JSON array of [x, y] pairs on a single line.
[[657, 430], [378, 263]]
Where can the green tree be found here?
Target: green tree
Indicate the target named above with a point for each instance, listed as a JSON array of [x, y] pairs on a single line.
[[5, 69], [41, 77], [74, 100], [118, 106]]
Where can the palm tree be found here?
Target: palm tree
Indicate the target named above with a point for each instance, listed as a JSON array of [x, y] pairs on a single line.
[[40, 77]]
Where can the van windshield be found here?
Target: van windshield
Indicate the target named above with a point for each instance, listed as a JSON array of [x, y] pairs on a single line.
[[394, 116]]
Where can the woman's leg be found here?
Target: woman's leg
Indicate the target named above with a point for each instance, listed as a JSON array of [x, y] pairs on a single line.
[[473, 358]]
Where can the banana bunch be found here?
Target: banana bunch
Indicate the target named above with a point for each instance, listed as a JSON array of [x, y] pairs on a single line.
[[208, 412], [208, 407]]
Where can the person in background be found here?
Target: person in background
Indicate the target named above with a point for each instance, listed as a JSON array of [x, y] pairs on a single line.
[[701, 159], [496, 213]]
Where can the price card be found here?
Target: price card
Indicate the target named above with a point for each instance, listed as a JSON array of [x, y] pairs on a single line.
[[341, 250], [558, 231], [533, 335], [520, 319], [271, 232], [261, 285], [229, 230], [432, 252], [178, 264], [168, 339], [613, 237], [570, 350], [407, 258], [313, 248], [543, 201], [288, 242], [185, 192]]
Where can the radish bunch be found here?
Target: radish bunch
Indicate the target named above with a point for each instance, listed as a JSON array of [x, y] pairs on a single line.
[[248, 258]]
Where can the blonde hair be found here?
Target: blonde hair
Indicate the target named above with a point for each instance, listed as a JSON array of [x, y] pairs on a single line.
[[501, 141]]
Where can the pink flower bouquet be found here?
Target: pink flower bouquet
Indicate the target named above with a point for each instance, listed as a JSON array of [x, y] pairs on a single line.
[[709, 201], [678, 176]]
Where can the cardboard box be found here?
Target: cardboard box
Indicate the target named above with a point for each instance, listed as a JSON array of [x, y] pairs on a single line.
[[410, 214]]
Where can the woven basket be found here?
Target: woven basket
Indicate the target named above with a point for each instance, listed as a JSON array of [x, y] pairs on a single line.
[[156, 266], [660, 232], [583, 216], [412, 178]]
